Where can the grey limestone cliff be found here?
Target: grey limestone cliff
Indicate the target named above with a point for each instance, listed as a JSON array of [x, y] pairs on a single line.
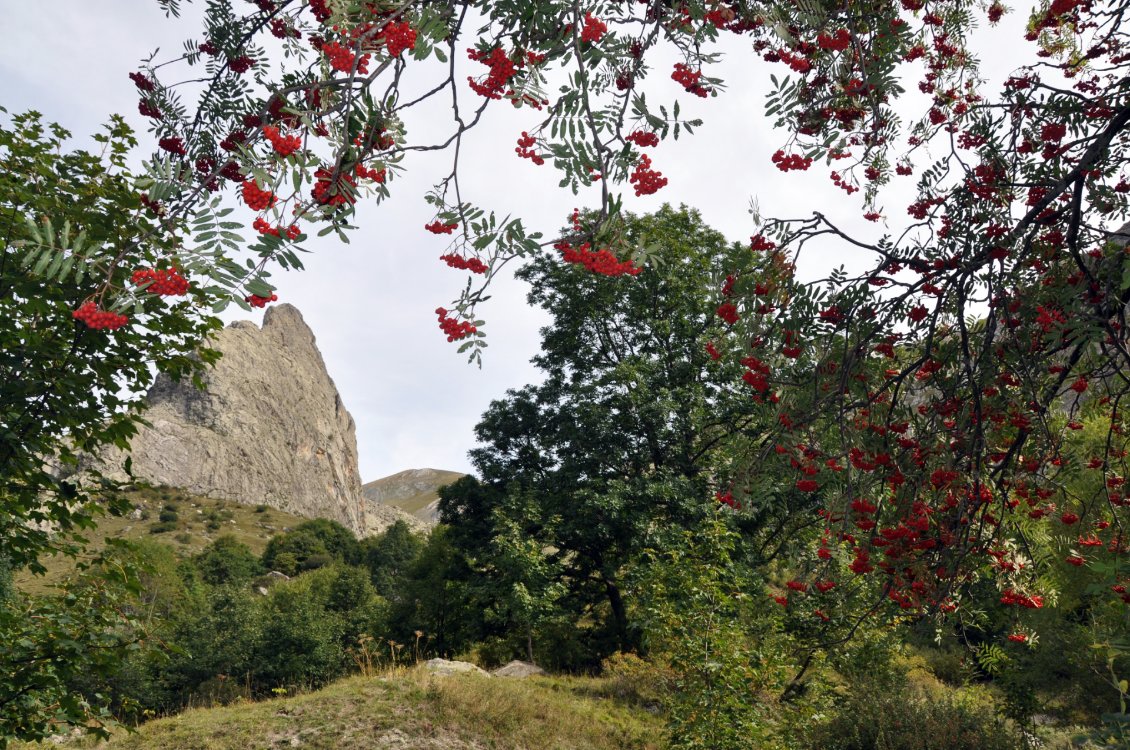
[[269, 428]]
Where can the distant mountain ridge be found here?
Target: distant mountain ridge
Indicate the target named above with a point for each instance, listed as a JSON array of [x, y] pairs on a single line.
[[414, 491]]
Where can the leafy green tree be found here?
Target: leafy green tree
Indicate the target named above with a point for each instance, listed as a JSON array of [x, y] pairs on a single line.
[[221, 640], [67, 387], [532, 588], [340, 543], [435, 598], [705, 620], [287, 553], [632, 430], [53, 645], [301, 644], [227, 560], [350, 589], [389, 555]]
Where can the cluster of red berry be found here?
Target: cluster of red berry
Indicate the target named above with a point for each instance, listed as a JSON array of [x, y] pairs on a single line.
[[643, 138], [646, 179], [398, 38], [474, 265], [256, 198], [525, 149], [728, 312], [164, 282], [841, 182], [502, 69], [593, 29], [689, 80], [758, 243], [438, 227], [148, 109], [342, 58], [241, 63], [284, 145], [256, 301], [283, 30], [601, 261], [173, 145], [320, 9], [329, 192], [454, 329], [142, 81], [263, 227], [89, 314], [791, 161], [837, 42], [727, 498]]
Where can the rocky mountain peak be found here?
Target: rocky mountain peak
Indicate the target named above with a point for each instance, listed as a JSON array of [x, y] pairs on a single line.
[[269, 428]]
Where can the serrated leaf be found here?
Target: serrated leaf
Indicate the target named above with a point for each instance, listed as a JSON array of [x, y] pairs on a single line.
[[33, 230], [42, 263], [53, 267]]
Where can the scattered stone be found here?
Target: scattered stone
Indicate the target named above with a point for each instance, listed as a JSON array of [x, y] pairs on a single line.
[[445, 668], [278, 576], [519, 669]]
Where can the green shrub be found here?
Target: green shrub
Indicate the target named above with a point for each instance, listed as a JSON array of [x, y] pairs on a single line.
[[349, 589], [301, 644], [162, 527], [227, 560], [286, 552], [313, 562], [893, 718], [169, 516], [637, 681]]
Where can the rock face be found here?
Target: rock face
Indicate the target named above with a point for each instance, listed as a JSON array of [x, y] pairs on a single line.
[[270, 428], [412, 491]]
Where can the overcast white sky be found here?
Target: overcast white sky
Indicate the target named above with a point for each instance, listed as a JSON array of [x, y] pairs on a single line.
[[370, 303]]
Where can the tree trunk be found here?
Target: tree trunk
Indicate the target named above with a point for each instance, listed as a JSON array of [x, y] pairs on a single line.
[[619, 613]]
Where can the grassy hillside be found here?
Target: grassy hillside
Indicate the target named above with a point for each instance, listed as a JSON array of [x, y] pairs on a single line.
[[412, 491], [199, 520], [411, 710]]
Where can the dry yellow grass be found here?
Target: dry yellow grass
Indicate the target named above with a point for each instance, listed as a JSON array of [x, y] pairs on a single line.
[[410, 710]]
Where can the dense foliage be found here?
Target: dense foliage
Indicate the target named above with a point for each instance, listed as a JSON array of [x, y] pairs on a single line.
[[66, 387], [618, 445]]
